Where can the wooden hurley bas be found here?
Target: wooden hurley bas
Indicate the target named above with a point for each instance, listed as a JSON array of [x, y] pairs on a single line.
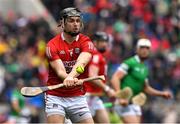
[[127, 93], [34, 91]]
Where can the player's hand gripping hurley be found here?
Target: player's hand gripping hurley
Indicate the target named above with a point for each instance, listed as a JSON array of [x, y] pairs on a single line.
[[34, 91]]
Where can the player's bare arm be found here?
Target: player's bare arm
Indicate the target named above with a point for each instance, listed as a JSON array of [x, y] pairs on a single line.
[[116, 83], [116, 80], [15, 106], [82, 60], [93, 71], [151, 91], [58, 67]]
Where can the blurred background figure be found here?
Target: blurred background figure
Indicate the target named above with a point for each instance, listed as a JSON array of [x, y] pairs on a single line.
[[171, 115], [96, 89], [27, 25], [19, 112], [36, 104], [133, 73]]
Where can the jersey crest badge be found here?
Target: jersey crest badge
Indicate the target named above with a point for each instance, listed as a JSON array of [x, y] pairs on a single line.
[[77, 50]]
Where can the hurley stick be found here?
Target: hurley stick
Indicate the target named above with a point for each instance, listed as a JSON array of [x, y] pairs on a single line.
[[127, 93], [34, 91], [139, 99]]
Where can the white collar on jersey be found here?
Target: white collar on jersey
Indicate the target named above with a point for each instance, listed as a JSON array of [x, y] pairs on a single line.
[[62, 36], [137, 58]]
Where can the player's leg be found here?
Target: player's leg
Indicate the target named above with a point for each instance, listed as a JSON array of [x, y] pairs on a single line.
[[129, 114], [78, 110], [55, 118], [54, 108], [101, 115], [131, 119]]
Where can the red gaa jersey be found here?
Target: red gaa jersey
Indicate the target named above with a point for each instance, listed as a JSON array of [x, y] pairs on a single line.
[[99, 61], [58, 48]]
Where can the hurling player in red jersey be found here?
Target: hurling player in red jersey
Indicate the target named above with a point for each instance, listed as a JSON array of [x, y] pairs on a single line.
[[65, 52], [98, 66]]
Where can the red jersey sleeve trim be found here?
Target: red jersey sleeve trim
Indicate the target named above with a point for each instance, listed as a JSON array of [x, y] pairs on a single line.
[[51, 49], [48, 52], [86, 44]]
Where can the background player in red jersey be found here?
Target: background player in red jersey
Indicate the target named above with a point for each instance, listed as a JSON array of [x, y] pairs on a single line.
[[98, 66], [65, 52]]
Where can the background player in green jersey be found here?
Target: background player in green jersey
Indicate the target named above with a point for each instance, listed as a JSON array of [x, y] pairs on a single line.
[[19, 112], [133, 73]]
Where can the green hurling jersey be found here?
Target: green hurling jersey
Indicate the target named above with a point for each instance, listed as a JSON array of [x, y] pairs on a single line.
[[16, 95], [136, 74]]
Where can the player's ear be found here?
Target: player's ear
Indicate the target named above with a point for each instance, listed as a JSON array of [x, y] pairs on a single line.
[[61, 23]]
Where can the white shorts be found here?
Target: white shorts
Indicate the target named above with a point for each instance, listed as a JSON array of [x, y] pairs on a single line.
[[94, 103], [74, 108], [128, 110]]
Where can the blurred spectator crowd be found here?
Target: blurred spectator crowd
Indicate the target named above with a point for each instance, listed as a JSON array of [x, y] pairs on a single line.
[[22, 47]]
